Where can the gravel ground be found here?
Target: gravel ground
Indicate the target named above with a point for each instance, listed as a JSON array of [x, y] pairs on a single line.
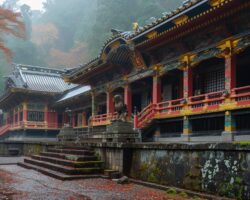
[[22, 184]]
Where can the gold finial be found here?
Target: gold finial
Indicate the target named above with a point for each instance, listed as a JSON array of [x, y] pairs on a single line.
[[135, 26]]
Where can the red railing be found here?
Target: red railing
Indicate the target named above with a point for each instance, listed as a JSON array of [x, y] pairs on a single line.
[[4, 129], [146, 115], [28, 125], [103, 119], [209, 100], [170, 107], [241, 94], [174, 107]]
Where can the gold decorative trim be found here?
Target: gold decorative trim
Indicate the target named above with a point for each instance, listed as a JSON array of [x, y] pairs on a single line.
[[215, 3], [180, 20], [151, 34]]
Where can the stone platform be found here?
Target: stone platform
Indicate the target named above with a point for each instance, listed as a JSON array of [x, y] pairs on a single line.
[[116, 132], [66, 163]]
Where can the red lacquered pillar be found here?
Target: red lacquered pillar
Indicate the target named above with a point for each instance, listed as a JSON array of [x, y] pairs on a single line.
[[128, 99], [84, 122], [156, 90], [25, 114], [230, 72]]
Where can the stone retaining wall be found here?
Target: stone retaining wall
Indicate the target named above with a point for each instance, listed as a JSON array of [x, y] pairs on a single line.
[[221, 169], [23, 148]]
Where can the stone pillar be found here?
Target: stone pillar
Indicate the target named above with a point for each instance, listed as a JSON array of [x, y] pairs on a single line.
[[128, 99], [157, 134], [230, 72], [156, 89], [187, 82], [229, 127], [187, 128], [110, 102]]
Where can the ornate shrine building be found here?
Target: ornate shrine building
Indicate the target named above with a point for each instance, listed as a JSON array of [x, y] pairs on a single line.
[[31, 104], [185, 77]]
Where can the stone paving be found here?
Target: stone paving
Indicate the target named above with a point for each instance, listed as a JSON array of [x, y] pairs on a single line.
[[22, 184], [10, 160]]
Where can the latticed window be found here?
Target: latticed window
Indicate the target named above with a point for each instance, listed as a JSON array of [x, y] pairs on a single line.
[[35, 116], [214, 81]]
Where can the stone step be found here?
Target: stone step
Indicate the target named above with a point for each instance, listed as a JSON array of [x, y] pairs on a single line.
[[69, 156], [72, 151], [72, 146], [57, 175], [63, 169], [70, 163]]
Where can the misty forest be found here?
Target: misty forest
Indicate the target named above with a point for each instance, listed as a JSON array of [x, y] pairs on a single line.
[[69, 33]]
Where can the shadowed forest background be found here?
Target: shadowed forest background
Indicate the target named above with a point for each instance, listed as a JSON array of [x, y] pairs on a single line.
[[68, 33]]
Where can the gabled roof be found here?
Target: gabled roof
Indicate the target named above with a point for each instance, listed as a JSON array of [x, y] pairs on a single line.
[[38, 79]]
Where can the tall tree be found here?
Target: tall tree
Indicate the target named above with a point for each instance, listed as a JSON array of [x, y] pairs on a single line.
[[10, 24]]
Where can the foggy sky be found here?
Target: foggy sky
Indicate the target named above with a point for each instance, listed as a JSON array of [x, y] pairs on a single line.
[[34, 4]]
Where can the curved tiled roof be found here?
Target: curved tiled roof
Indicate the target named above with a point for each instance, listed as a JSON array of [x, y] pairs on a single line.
[[189, 8], [39, 79]]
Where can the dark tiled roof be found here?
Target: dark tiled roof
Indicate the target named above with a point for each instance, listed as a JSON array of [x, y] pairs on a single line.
[[38, 79]]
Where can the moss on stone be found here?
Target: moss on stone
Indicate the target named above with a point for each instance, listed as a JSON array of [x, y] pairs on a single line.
[[152, 178], [171, 191], [183, 194], [72, 157], [243, 143]]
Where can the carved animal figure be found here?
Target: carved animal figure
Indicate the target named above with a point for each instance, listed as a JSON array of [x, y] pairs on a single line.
[[120, 108]]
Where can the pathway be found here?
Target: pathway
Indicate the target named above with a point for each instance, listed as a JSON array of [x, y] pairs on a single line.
[[22, 184]]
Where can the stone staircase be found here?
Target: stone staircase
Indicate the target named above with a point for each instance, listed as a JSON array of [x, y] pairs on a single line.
[[66, 163]]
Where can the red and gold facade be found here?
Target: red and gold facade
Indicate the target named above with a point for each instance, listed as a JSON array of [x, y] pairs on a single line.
[[185, 73], [184, 76]]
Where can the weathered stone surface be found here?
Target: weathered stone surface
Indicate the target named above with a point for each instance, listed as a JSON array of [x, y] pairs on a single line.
[[119, 131], [120, 127], [217, 168], [67, 134], [222, 172]]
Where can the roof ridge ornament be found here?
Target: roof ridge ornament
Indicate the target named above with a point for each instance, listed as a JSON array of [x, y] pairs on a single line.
[[136, 27], [214, 3], [116, 32]]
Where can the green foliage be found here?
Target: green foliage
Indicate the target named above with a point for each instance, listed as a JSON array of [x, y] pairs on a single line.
[[243, 143], [71, 157], [171, 191]]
